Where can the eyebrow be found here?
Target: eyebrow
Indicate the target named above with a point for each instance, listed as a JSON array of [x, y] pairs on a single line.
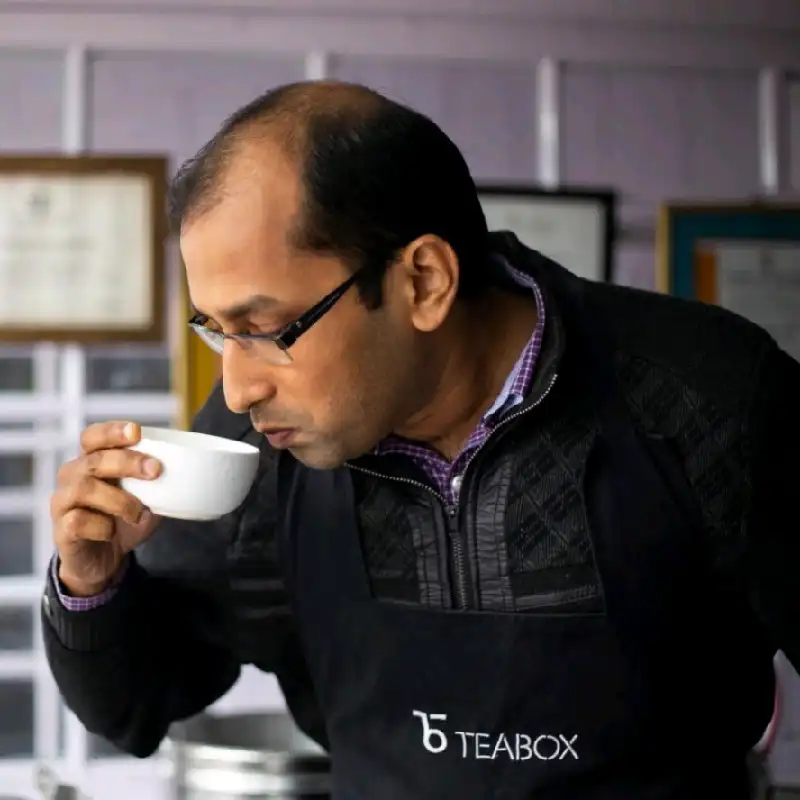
[[258, 302]]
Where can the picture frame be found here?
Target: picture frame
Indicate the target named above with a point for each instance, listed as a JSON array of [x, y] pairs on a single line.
[[742, 256], [82, 248], [681, 267], [574, 226]]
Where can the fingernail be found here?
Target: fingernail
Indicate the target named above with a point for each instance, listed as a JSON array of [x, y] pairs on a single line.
[[144, 517], [129, 431], [151, 467]]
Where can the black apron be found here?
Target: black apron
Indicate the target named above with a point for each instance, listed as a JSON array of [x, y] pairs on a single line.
[[426, 704]]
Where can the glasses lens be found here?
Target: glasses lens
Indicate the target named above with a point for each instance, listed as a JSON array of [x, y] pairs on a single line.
[[270, 352], [263, 349], [213, 339]]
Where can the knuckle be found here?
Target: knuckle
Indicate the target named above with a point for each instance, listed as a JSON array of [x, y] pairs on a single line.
[[101, 435], [66, 498], [112, 463], [73, 523], [85, 486], [80, 491], [131, 458], [93, 462]]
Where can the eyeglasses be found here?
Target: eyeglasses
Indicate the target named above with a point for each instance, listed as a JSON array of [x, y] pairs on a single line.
[[273, 348]]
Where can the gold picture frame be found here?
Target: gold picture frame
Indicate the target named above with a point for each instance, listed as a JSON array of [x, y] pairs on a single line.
[[80, 231], [196, 367]]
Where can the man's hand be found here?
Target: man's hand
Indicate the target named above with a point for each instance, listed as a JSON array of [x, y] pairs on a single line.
[[95, 523]]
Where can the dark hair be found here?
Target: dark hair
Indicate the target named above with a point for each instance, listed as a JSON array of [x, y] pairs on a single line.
[[376, 175]]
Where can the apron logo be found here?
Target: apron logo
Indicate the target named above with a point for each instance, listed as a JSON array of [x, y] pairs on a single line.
[[515, 747]]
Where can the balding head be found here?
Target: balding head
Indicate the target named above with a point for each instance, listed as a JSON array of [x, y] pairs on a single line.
[[283, 117], [373, 176], [294, 108], [299, 191]]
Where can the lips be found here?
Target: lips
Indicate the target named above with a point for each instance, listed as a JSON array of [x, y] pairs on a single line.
[[280, 438]]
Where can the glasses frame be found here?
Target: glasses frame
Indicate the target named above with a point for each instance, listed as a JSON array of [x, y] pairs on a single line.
[[283, 338]]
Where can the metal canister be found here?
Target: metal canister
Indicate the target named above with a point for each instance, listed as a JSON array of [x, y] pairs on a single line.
[[246, 757]]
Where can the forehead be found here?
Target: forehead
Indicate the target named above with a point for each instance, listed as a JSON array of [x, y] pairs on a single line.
[[239, 247]]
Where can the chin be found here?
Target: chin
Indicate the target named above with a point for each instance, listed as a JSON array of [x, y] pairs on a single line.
[[316, 458]]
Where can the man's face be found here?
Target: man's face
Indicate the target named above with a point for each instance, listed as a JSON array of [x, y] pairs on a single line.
[[351, 379]]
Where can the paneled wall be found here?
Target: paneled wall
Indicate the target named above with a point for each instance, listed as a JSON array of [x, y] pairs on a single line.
[[488, 109], [652, 133], [792, 120], [657, 134], [650, 128], [173, 102]]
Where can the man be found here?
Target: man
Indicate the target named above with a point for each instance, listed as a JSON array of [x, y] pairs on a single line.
[[514, 534]]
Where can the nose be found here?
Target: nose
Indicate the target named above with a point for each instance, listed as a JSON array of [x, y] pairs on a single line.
[[245, 380]]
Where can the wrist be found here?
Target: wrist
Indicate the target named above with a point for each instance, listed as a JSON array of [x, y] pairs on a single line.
[[77, 587]]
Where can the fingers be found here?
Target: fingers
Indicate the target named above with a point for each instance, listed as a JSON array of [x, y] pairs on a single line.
[[109, 465], [108, 435], [81, 523], [89, 501], [93, 495]]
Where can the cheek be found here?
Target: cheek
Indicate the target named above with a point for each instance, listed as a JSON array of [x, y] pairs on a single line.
[[334, 392], [346, 377], [324, 379]]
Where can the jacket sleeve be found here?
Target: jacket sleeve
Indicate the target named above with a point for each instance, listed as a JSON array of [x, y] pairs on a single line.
[[160, 649], [771, 556]]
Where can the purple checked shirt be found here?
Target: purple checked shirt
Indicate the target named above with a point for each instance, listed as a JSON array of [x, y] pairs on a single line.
[[444, 475]]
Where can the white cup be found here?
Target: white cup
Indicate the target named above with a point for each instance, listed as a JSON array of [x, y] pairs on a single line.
[[202, 477]]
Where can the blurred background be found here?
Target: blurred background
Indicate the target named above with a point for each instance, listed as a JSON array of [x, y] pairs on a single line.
[[656, 99]]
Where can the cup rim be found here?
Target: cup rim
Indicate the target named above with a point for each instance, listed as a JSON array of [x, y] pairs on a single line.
[[196, 441]]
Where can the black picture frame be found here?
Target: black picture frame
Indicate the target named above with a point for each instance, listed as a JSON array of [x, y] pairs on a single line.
[[604, 198]]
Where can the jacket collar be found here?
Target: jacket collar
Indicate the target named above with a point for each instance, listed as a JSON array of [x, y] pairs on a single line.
[[553, 280]]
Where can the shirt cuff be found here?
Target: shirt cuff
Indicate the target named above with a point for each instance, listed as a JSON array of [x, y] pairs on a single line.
[[71, 603]]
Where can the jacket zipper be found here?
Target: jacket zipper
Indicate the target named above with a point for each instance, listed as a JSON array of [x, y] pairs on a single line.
[[460, 533], [458, 563], [457, 535]]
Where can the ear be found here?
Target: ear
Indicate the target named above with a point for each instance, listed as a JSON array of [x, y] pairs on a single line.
[[430, 270]]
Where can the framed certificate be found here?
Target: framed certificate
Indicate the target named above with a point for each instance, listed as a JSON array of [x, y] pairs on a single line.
[[575, 227], [742, 256], [82, 248]]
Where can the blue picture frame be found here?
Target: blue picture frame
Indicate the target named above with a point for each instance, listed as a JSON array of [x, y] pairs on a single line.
[[682, 226]]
